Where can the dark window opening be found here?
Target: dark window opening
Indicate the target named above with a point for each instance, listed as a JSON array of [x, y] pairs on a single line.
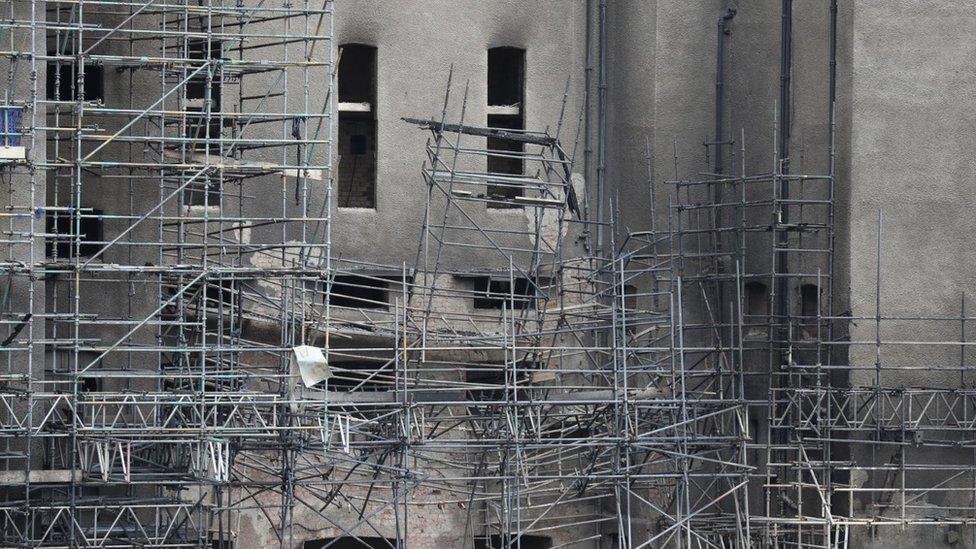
[[358, 291], [61, 82], [89, 384], [490, 380], [356, 140], [506, 96], [219, 293], [509, 541], [506, 74], [221, 544], [809, 301], [756, 310], [205, 194], [200, 127], [756, 440], [757, 301], [62, 236], [349, 542], [628, 297], [196, 87], [809, 310], [497, 293], [361, 376]]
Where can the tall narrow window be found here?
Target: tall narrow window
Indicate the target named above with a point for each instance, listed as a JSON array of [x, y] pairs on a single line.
[[506, 110], [200, 127], [756, 309], [809, 309], [357, 127], [809, 301]]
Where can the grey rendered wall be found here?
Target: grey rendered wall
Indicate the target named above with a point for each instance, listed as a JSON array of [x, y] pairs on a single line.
[[913, 113], [417, 42]]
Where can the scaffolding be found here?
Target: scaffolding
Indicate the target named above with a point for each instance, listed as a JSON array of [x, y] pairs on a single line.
[[188, 363]]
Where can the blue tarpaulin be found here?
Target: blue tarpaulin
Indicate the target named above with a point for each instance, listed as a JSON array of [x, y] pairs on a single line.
[[10, 126]]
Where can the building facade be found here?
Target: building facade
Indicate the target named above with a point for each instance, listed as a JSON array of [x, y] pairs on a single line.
[[601, 273]]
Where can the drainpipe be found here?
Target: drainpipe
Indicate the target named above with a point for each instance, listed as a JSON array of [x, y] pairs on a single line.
[[723, 31], [587, 93], [601, 128], [786, 66]]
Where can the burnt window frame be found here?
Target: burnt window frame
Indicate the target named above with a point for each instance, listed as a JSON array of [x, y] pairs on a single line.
[[505, 110], [358, 59], [495, 377], [380, 284], [361, 376], [492, 293]]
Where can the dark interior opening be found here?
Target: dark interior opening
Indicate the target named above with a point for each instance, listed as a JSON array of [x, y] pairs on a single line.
[[506, 87], [90, 384], [506, 74], [349, 542], [357, 74], [358, 291], [207, 193], [221, 292], [200, 127], [361, 376], [809, 301], [61, 228], [196, 87], [757, 301], [498, 293], [61, 82], [511, 541], [493, 378], [356, 139]]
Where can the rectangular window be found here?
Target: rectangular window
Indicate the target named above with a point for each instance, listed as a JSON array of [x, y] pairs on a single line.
[[360, 292], [488, 381], [205, 194], [196, 87], [61, 230], [756, 309], [498, 293], [360, 376], [200, 127], [356, 141], [506, 110], [61, 83], [221, 293]]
